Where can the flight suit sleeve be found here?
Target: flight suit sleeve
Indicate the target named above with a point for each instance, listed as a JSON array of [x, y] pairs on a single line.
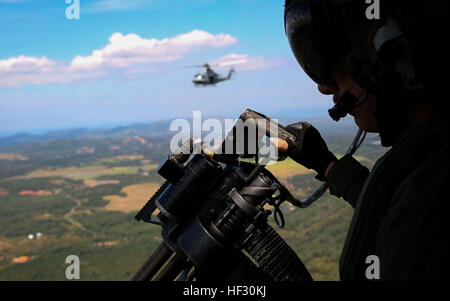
[[346, 179]]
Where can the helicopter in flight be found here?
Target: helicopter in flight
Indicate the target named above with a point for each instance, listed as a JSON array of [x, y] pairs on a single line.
[[210, 78]]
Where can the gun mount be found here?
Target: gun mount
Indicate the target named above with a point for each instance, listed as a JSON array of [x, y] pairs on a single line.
[[213, 218]]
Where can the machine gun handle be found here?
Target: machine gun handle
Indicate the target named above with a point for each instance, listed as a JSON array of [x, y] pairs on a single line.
[[272, 128]]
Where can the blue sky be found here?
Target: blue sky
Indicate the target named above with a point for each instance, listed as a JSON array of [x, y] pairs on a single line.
[[124, 62]]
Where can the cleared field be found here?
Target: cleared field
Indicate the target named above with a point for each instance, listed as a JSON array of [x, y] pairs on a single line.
[[85, 172], [4, 244], [3, 191], [43, 216], [118, 159], [6, 156], [364, 160], [361, 159], [287, 168], [136, 197], [21, 259], [93, 183], [107, 243]]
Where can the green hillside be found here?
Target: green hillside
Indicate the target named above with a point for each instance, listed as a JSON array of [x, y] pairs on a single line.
[[63, 189]]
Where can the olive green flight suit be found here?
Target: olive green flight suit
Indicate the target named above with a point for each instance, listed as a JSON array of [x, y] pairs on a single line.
[[401, 207]]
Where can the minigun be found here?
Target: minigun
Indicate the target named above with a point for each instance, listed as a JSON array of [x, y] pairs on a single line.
[[212, 210]]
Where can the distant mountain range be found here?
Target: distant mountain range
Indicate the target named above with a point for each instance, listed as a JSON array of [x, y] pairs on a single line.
[[159, 129], [153, 129]]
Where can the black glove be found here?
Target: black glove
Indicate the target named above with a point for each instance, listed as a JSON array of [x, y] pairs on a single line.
[[309, 150]]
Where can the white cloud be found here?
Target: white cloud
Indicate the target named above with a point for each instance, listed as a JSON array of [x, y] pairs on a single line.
[[125, 50], [121, 52], [26, 64], [20, 70], [243, 62], [124, 54]]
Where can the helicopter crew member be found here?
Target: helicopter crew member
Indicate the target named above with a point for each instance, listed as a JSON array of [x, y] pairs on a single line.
[[385, 73]]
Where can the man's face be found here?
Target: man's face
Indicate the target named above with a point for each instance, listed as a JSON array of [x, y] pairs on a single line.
[[364, 114]]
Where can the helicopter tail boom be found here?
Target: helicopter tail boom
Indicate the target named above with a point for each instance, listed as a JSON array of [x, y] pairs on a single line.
[[230, 73]]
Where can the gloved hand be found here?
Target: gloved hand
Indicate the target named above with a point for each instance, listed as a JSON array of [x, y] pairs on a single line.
[[309, 149]]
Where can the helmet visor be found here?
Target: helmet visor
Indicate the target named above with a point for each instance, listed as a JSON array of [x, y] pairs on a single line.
[[308, 42]]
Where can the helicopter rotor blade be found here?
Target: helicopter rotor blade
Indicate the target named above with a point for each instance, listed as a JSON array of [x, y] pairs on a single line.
[[230, 63], [192, 66], [218, 64], [196, 66]]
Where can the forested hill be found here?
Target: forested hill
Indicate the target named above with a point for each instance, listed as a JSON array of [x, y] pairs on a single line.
[[80, 195], [325, 125]]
